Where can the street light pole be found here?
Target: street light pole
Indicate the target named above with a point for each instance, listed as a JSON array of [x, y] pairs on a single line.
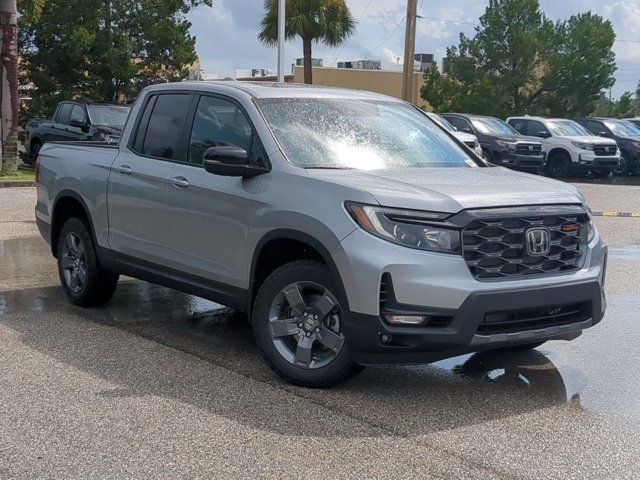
[[281, 35], [409, 49]]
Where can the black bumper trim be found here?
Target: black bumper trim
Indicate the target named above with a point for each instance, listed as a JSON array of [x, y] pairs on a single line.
[[424, 344]]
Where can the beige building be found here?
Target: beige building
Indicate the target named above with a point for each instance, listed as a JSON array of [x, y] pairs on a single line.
[[388, 82]]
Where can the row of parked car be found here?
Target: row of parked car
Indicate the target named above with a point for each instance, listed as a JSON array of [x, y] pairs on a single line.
[[555, 146], [559, 147]]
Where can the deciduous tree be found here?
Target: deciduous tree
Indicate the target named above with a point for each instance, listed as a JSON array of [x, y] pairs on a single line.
[[521, 62]]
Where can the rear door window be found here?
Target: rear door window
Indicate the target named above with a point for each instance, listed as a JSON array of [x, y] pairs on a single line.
[[163, 138], [519, 124], [64, 114]]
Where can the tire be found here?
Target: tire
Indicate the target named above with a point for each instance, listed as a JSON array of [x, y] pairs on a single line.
[[33, 154], [523, 347], [83, 281], [559, 166], [624, 166], [296, 323], [487, 155]]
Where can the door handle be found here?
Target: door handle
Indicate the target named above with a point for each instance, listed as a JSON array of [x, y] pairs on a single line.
[[180, 182], [126, 169]]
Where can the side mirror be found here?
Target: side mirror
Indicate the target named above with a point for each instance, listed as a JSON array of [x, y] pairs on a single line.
[[542, 134], [78, 124], [230, 162], [466, 130], [603, 134]]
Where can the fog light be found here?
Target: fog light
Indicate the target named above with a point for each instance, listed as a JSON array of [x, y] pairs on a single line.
[[405, 319]]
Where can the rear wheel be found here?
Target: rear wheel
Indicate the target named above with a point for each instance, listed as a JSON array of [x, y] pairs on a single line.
[[297, 324], [559, 165], [84, 282]]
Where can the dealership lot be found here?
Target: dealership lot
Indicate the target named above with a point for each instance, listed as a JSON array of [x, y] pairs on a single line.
[[162, 384]]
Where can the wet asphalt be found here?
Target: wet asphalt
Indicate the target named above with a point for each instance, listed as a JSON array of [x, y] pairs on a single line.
[[159, 384]]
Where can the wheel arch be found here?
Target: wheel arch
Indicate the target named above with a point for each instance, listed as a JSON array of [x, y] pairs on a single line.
[[288, 237], [66, 204], [558, 150]]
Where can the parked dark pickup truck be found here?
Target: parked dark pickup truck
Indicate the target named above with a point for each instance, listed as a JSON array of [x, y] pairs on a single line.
[[78, 121]]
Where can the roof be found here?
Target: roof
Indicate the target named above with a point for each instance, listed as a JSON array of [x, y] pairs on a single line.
[[468, 115], [275, 89]]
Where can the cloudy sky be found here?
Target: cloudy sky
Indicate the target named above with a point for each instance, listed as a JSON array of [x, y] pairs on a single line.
[[226, 33]]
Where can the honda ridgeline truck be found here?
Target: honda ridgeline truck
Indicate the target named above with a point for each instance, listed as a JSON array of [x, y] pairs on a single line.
[[351, 228]]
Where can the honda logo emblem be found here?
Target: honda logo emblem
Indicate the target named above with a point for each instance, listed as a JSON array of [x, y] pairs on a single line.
[[538, 241]]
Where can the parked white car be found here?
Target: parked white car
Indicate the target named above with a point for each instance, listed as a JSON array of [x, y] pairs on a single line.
[[469, 139], [570, 147]]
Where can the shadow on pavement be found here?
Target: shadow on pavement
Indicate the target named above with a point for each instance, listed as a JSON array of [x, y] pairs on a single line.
[[390, 400]]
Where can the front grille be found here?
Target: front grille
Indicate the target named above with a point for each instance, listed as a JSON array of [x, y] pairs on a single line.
[[604, 150], [528, 149], [496, 248], [534, 318]]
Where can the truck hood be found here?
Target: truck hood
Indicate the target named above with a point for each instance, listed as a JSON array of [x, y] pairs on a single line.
[[593, 140], [453, 189]]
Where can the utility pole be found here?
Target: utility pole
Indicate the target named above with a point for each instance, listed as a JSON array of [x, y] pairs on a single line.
[[409, 49], [281, 38]]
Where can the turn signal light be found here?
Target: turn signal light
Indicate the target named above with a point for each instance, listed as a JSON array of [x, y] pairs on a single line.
[[405, 319]]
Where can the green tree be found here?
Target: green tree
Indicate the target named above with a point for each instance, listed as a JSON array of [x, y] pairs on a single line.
[[520, 62], [105, 49], [326, 21]]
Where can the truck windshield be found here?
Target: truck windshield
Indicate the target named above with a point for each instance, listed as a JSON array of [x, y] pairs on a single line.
[[567, 128], [108, 115], [623, 129], [359, 134], [493, 126]]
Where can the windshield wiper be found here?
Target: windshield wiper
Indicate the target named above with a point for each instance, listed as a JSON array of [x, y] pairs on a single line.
[[328, 168]]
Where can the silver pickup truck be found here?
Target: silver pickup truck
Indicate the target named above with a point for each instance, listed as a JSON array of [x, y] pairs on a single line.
[[350, 227]]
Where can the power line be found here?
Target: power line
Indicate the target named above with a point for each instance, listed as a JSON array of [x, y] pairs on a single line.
[[345, 43], [385, 38]]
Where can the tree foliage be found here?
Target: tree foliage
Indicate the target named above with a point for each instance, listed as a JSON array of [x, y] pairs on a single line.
[[326, 21], [519, 61], [103, 49], [628, 105]]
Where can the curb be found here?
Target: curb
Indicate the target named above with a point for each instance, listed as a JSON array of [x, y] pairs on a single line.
[[17, 183], [615, 214]]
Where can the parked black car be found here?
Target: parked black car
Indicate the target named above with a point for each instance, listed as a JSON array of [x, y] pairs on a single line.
[[501, 144], [627, 136], [76, 120]]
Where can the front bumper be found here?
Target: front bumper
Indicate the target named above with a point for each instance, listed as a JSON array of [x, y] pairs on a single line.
[[441, 285], [525, 162], [590, 162]]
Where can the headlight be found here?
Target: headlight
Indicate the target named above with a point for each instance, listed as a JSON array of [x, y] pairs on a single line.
[[583, 146], [592, 231], [507, 145], [409, 228]]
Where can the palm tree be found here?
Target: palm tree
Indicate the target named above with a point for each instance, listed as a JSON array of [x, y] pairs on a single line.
[[9, 86], [326, 21]]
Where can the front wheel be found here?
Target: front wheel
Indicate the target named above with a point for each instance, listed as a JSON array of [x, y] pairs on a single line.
[[297, 323], [624, 166], [84, 282], [559, 166]]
